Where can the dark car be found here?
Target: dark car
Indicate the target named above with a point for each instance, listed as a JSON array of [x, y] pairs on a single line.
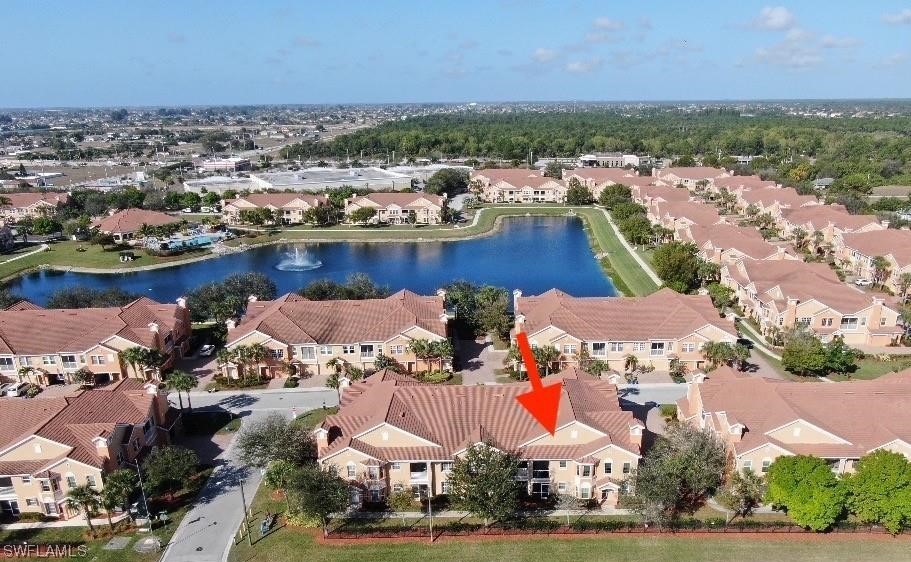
[[748, 343]]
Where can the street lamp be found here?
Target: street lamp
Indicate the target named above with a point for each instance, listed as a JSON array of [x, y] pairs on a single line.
[[145, 500]]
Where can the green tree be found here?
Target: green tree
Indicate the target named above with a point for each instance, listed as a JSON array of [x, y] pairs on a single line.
[[401, 502], [132, 356], [879, 491], [362, 215], [904, 285], [554, 170], [806, 487], [274, 438], [578, 194], [839, 357], [483, 482], [168, 469], [804, 354], [677, 264], [492, 314], [742, 494], [722, 296], [86, 500], [318, 492], [86, 297], [180, 382], [103, 239], [119, 486], [450, 181], [678, 473], [637, 229], [614, 194], [882, 269]]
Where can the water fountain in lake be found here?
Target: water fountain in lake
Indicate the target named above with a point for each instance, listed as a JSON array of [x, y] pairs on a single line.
[[298, 259]]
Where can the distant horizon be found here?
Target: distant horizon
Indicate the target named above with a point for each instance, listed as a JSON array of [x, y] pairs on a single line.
[[106, 53]]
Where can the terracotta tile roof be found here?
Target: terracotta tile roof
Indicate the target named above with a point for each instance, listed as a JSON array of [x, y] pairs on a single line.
[[516, 177], [666, 192], [37, 331], [22, 200], [23, 305], [453, 417], [866, 414], [817, 217], [699, 213], [745, 182], [747, 241], [663, 315], [404, 200], [784, 196], [882, 243], [22, 417], [129, 220], [295, 320], [605, 175], [799, 280], [692, 172], [279, 200]]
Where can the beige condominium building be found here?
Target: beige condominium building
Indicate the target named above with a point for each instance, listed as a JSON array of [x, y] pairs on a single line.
[[125, 225], [291, 207], [303, 335], [596, 179], [46, 346], [857, 250], [393, 433], [48, 446], [397, 208], [691, 177], [762, 419], [656, 330], [727, 244], [31, 205], [517, 185], [827, 220], [783, 294]]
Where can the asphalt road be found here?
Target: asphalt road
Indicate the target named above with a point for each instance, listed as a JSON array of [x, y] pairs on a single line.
[[208, 530]]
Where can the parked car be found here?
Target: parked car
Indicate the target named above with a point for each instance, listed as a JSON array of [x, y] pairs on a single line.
[[746, 342], [17, 389], [863, 282], [5, 387], [206, 350]]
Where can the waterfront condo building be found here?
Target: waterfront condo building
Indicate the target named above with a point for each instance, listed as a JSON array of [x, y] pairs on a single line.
[[762, 419], [393, 433], [125, 225], [657, 329], [727, 244], [48, 446], [783, 294], [517, 185], [690, 177], [596, 179], [289, 208], [31, 205], [397, 208], [303, 336], [46, 346]]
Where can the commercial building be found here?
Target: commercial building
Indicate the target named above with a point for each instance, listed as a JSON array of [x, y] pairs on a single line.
[[233, 164], [393, 433], [321, 179]]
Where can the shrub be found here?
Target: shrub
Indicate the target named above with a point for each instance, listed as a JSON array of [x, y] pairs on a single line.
[[291, 382], [669, 411], [436, 377], [302, 521]]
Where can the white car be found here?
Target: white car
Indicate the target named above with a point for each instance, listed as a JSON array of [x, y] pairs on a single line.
[[17, 389], [206, 350], [863, 282]]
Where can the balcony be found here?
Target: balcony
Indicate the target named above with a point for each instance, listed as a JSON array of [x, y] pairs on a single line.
[[7, 491], [522, 474], [418, 472], [540, 474]]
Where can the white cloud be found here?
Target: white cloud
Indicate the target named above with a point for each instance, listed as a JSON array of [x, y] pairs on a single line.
[[607, 24], [775, 18], [833, 42], [544, 55], [798, 34], [895, 59], [898, 18], [582, 67], [789, 54]]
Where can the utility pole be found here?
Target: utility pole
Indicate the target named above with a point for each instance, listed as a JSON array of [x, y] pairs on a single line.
[[246, 524], [430, 512]]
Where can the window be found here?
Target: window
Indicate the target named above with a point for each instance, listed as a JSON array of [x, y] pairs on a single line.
[[569, 349], [397, 487], [48, 360], [584, 470], [446, 466], [747, 464], [444, 486], [98, 359], [882, 321], [396, 349], [826, 322], [31, 502], [6, 363], [119, 457], [599, 349], [373, 472], [804, 321], [561, 487], [608, 467], [37, 448], [90, 480], [26, 479], [848, 323], [562, 464], [68, 360], [585, 492], [71, 481], [351, 470], [347, 349], [766, 463], [325, 350], [280, 353], [639, 346], [396, 466], [308, 353], [627, 468], [45, 485], [616, 346], [366, 350], [657, 348], [688, 347]]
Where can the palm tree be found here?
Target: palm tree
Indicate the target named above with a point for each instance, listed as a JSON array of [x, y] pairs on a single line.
[[630, 363], [119, 485], [85, 499], [132, 356], [257, 353], [881, 271], [337, 364], [152, 359], [420, 348], [441, 350], [800, 239], [335, 381], [181, 381], [224, 356], [904, 283]]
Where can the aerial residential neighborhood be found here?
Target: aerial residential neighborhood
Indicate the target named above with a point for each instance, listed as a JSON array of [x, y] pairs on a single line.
[[455, 281]]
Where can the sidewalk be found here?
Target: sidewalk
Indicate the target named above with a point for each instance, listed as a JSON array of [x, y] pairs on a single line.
[[755, 338], [77, 521], [645, 266], [453, 514]]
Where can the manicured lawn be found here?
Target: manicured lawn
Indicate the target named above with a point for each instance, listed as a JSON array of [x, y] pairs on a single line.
[[870, 368], [64, 254], [315, 417]]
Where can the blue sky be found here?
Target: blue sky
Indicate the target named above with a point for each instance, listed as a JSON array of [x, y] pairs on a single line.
[[104, 53]]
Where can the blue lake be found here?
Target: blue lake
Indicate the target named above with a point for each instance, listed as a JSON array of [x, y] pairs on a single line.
[[529, 253]]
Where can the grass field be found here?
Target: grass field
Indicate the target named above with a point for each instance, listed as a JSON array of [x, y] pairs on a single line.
[[870, 368]]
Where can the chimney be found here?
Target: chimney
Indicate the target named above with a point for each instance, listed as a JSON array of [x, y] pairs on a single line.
[[876, 313], [230, 323], [441, 293], [516, 294], [444, 318], [790, 314], [520, 323], [252, 298], [885, 223], [153, 327], [101, 449], [635, 433], [322, 440], [181, 302]]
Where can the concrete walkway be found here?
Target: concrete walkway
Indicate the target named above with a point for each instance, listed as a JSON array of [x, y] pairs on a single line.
[[77, 521], [40, 248], [479, 361], [453, 514], [642, 263], [754, 337]]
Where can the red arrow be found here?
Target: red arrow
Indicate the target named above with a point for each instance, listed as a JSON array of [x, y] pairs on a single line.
[[542, 402]]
